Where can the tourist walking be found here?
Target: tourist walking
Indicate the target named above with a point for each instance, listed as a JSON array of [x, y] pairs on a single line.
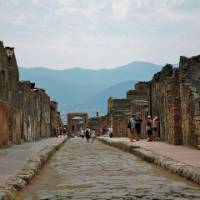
[[110, 132], [138, 123], [82, 133], [87, 134], [93, 135], [149, 128], [155, 128], [131, 128]]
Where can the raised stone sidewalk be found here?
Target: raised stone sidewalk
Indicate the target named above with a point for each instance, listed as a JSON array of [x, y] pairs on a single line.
[[20, 163], [180, 160]]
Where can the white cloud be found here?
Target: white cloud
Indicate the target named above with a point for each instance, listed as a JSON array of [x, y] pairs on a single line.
[[120, 8], [99, 33]]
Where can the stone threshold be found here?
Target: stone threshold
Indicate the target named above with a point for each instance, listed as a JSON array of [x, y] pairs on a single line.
[[184, 170], [31, 168]]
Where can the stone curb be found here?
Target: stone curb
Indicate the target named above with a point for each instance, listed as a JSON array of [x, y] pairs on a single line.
[[32, 166], [187, 171]]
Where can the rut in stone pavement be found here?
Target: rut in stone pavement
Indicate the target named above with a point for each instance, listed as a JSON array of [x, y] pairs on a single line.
[[82, 170]]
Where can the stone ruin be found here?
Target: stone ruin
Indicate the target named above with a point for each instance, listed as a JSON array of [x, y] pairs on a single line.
[[173, 94], [55, 119], [99, 123], [175, 98], [25, 111], [76, 122], [118, 113]]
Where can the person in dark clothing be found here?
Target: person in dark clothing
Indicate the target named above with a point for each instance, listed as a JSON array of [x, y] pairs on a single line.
[[87, 134], [138, 123]]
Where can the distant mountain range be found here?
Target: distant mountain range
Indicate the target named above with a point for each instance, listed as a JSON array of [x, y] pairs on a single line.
[[85, 90]]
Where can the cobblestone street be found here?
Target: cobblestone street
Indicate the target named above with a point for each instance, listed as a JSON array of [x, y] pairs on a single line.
[[81, 170]]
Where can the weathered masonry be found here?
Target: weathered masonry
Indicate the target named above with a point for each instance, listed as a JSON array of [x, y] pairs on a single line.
[[173, 95], [55, 119], [25, 111], [76, 122], [35, 104], [99, 123], [175, 98], [10, 112], [120, 110], [118, 113], [165, 102]]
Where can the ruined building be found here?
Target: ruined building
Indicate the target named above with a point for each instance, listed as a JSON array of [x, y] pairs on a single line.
[[139, 101], [120, 110], [55, 119], [164, 101], [175, 98], [25, 111], [100, 124], [10, 112], [35, 104], [173, 95], [76, 122], [118, 113]]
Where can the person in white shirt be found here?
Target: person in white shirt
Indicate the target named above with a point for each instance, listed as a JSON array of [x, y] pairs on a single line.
[[93, 135], [110, 132]]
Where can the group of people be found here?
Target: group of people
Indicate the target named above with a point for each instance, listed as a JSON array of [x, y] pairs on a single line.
[[88, 134], [59, 131], [152, 128]]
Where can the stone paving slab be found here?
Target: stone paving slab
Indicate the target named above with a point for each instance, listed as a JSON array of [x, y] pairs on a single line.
[[94, 171], [180, 160], [20, 163]]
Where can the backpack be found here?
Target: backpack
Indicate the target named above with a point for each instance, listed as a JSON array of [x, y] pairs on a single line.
[[87, 132]]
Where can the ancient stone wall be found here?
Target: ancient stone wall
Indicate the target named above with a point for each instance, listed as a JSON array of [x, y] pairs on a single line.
[[175, 98], [173, 95], [9, 76], [99, 124], [44, 107], [35, 104], [76, 121], [24, 110], [15, 125], [165, 103], [118, 112], [4, 125], [139, 98], [119, 123], [55, 119], [140, 92], [31, 119], [10, 124], [189, 75]]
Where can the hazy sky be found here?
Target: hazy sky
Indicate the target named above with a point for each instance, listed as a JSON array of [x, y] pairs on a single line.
[[99, 33]]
